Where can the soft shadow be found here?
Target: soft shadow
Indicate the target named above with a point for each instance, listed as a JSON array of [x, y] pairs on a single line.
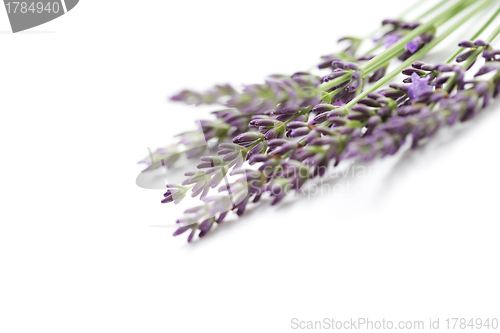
[[406, 159], [444, 139]]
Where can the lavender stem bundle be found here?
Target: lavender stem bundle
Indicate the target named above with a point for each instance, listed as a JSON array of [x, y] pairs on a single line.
[[276, 136]]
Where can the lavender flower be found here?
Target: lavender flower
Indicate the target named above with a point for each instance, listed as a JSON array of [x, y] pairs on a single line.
[[418, 86], [291, 128], [413, 45], [299, 88], [390, 39]]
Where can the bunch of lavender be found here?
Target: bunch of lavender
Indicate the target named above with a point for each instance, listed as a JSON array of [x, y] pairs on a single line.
[[300, 89], [298, 124]]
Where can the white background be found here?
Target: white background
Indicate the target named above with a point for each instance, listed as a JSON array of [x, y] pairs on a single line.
[[83, 249]]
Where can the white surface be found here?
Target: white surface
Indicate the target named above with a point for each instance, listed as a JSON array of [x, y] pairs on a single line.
[[85, 95]]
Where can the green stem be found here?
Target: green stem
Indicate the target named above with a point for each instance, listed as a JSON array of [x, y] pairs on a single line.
[[396, 48], [452, 80], [418, 55], [409, 10], [479, 50], [374, 48], [430, 11], [301, 113], [475, 36], [494, 34], [335, 82], [399, 46]]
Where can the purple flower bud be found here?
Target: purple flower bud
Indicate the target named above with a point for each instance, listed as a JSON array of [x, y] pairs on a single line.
[[362, 109], [211, 159], [486, 69], [321, 141], [230, 157], [366, 57], [229, 146], [374, 120], [374, 96], [168, 198], [336, 113], [276, 142], [408, 110], [258, 158], [286, 148], [182, 230], [278, 198], [479, 42], [490, 55], [352, 66], [296, 124], [357, 116], [481, 88], [354, 86], [345, 130], [436, 98], [226, 151], [320, 118], [217, 168], [322, 108], [259, 148], [399, 86], [288, 110], [417, 64], [242, 206], [466, 44], [377, 75], [338, 64], [445, 68], [284, 117], [427, 68], [312, 136], [409, 71], [271, 134], [383, 111], [369, 102], [355, 75], [392, 93], [204, 165], [391, 21], [334, 75], [246, 137], [464, 56], [191, 235], [486, 100], [206, 225], [300, 132], [441, 80], [409, 26], [262, 122]]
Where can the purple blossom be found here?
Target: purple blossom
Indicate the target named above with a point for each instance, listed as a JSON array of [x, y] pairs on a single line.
[[281, 126], [390, 39], [412, 46], [418, 85]]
